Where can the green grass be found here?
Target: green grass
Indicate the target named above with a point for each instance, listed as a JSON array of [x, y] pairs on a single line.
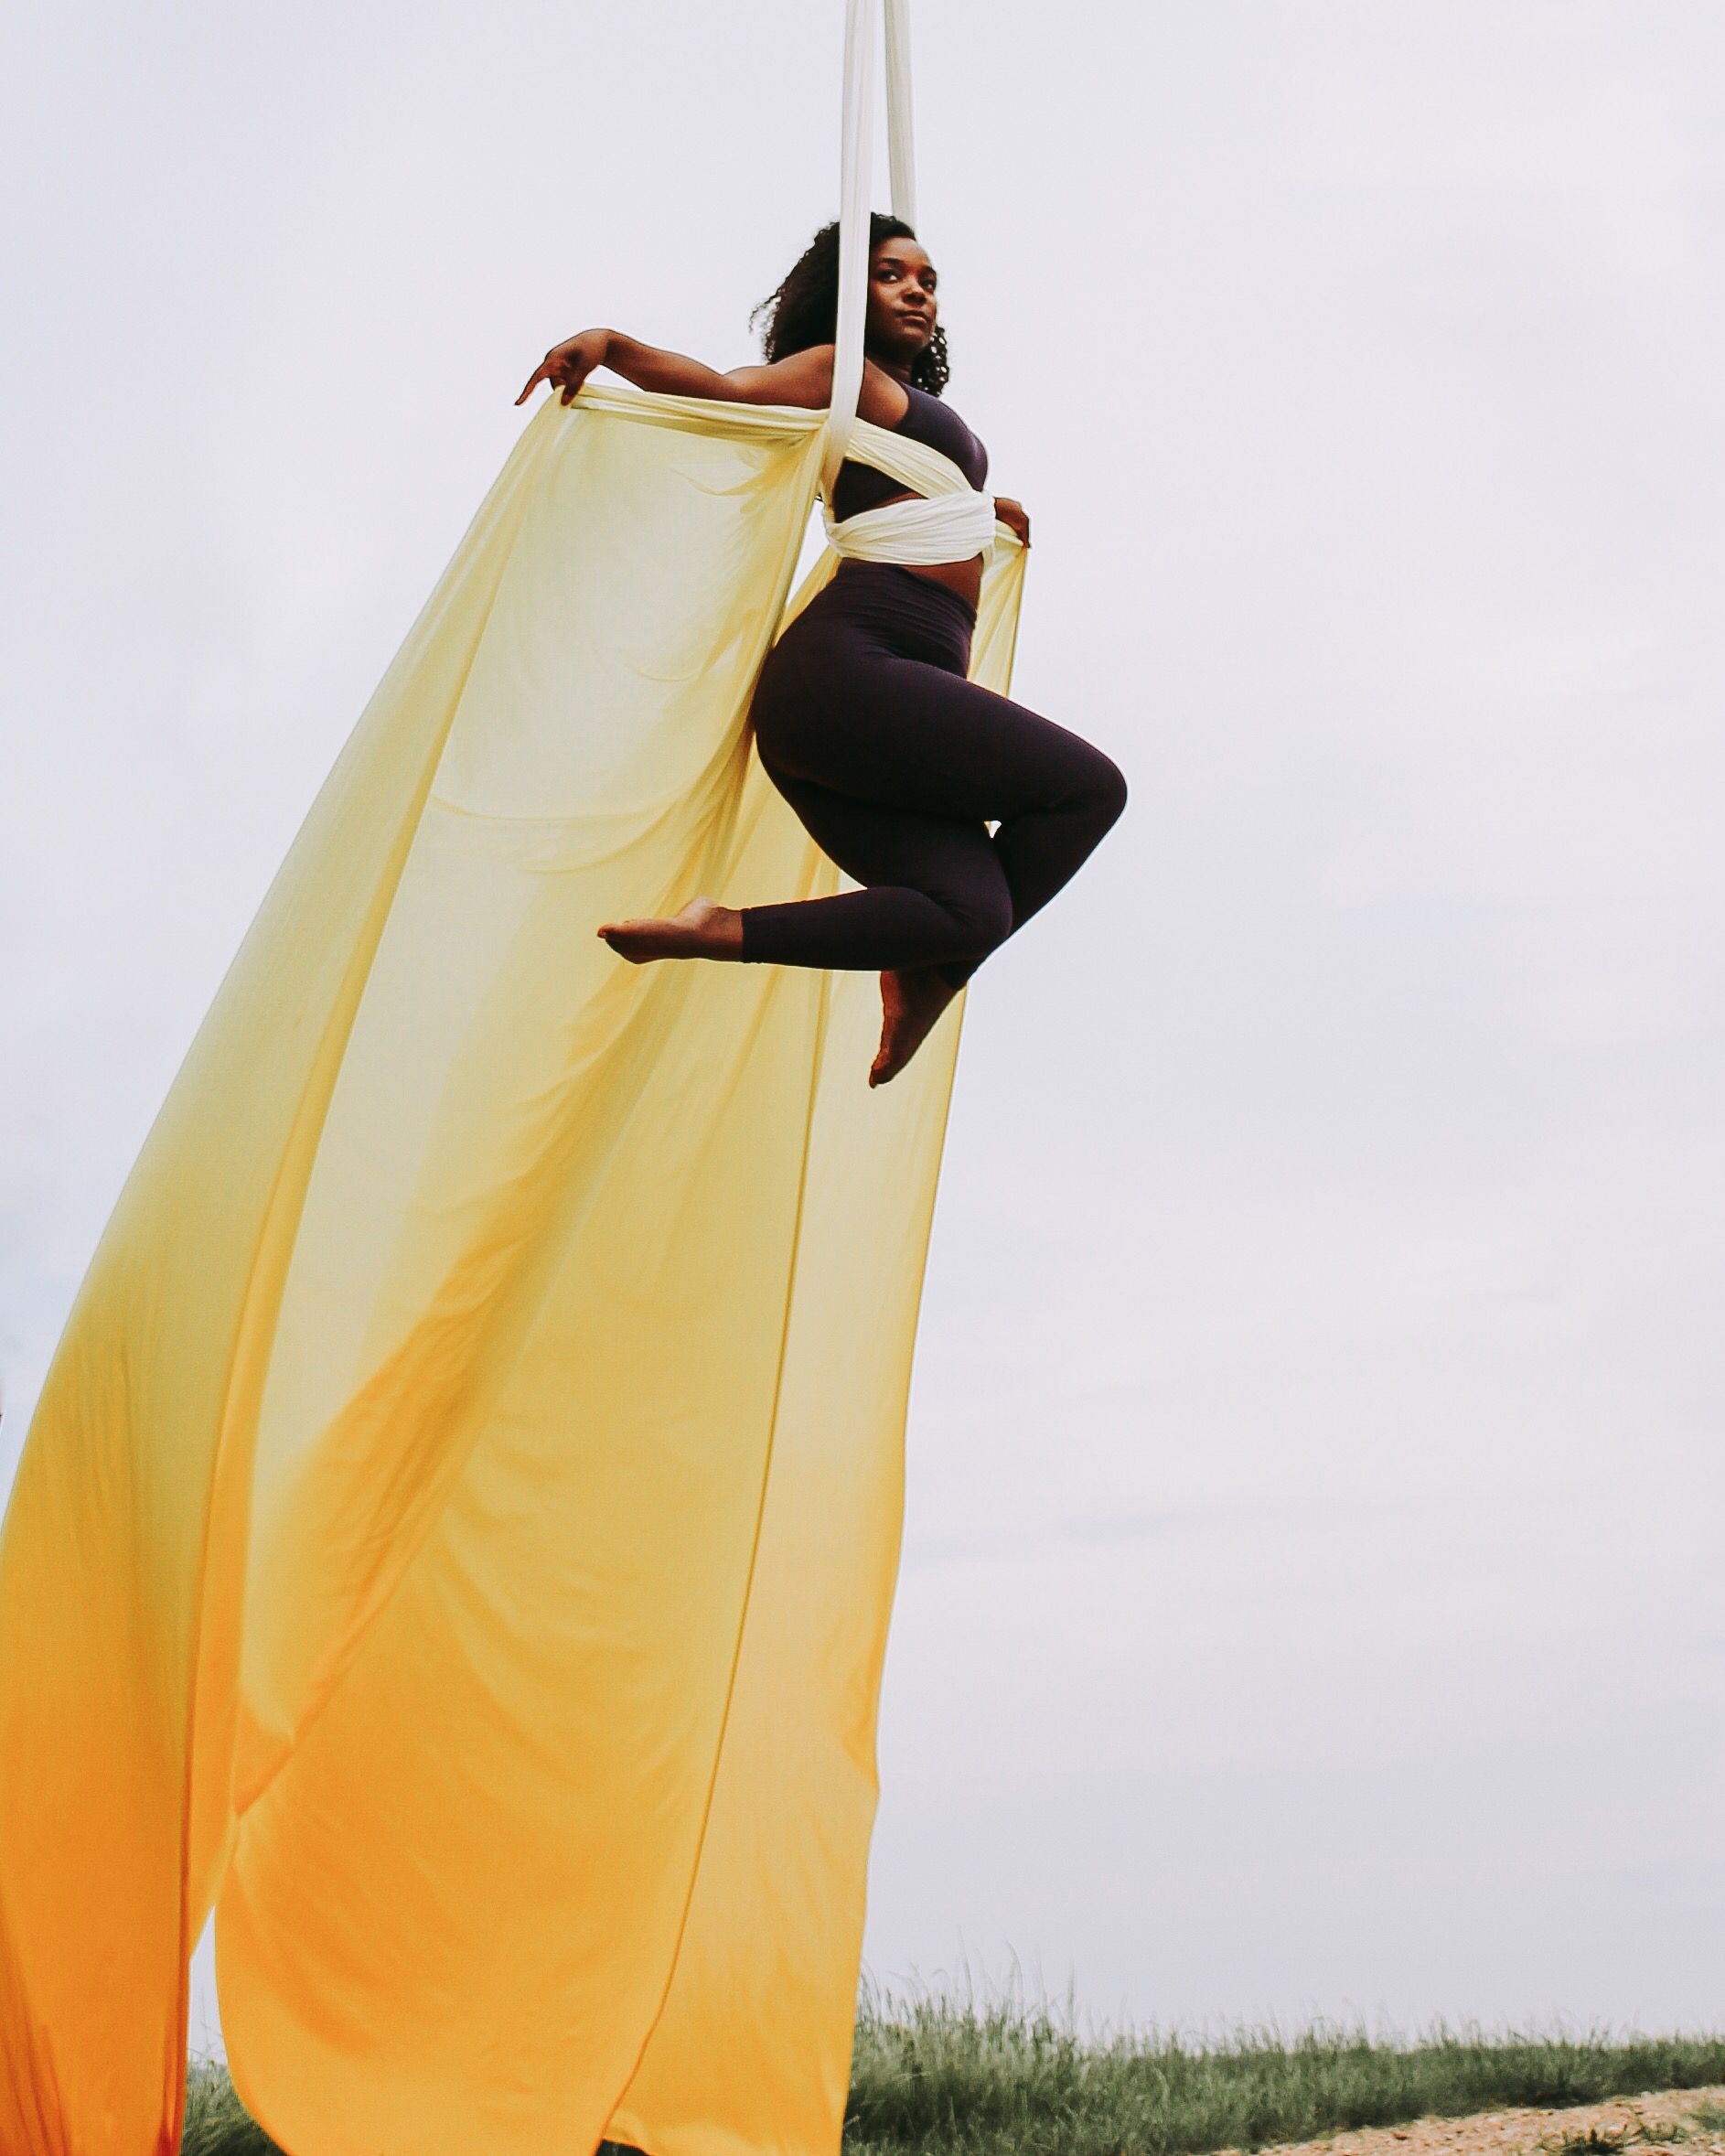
[[215, 2122], [940, 2077], [944, 2076]]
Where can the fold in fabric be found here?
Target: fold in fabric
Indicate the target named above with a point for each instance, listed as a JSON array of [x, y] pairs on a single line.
[[947, 520], [457, 1537]]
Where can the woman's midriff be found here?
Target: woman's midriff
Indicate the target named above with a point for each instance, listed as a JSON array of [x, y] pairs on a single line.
[[963, 577]]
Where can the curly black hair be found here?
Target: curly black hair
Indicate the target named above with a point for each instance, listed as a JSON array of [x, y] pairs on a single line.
[[804, 311]]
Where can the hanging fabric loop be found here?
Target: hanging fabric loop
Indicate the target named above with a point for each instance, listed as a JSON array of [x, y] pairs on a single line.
[[864, 27], [901, 148], [856, 156]]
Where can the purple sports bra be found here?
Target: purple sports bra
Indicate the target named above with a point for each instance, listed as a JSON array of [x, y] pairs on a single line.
[[859, 486]]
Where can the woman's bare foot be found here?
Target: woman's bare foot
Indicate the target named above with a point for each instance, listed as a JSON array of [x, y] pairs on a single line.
[[703, 929], [910, 1003]]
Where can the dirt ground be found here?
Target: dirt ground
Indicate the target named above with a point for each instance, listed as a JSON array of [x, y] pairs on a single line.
[[1640, 2125]]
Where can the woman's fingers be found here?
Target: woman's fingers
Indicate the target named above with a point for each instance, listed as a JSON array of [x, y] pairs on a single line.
[[566, 379], [563, 374], [1011, 514], [567, 365]]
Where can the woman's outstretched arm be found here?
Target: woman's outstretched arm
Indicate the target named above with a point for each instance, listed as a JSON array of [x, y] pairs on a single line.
[[805, 377]]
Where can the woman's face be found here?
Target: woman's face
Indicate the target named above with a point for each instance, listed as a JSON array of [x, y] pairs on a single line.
[[901, 317]]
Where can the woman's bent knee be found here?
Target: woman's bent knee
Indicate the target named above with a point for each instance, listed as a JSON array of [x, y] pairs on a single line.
[[1095, 787], [1108, 790]]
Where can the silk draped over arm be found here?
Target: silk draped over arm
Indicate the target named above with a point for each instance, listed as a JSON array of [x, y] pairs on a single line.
[[457, 1535]]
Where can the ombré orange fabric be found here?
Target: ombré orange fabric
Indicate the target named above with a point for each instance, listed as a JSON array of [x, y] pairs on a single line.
[[457, 1537]]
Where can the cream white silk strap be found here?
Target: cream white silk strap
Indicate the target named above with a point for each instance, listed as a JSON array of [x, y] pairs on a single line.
[[862, 28], [951, 523], [912, 463], [901, 152], [953, 527]]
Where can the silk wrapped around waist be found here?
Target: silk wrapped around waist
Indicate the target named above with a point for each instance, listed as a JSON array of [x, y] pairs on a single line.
[[947, 520], [950, 527]]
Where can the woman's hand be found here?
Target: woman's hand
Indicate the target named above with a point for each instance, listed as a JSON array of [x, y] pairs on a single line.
[[1011, 514], [805, 377], [567, 366]]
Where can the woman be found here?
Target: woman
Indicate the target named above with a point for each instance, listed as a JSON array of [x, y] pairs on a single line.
[[863, 717]]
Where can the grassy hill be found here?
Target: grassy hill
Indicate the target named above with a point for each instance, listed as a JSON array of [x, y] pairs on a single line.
[[943, 2078]]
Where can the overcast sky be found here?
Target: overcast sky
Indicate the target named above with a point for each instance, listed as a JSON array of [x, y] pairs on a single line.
[[1312, 1599]]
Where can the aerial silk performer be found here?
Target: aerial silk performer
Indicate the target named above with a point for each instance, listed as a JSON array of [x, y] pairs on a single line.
[[457, 1537]]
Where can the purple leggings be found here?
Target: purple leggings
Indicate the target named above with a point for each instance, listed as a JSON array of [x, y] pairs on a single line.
[[892, 761]]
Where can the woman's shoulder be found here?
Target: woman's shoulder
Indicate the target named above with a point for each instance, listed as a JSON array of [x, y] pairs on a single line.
[[809, 372], [805, 378], [808, 379], [801, 378]]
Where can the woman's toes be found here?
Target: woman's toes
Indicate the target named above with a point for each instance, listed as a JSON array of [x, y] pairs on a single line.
[[704, 929], [911, 1003]]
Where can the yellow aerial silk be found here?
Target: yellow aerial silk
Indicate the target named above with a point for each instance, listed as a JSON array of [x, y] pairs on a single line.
[[457, 1537]]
